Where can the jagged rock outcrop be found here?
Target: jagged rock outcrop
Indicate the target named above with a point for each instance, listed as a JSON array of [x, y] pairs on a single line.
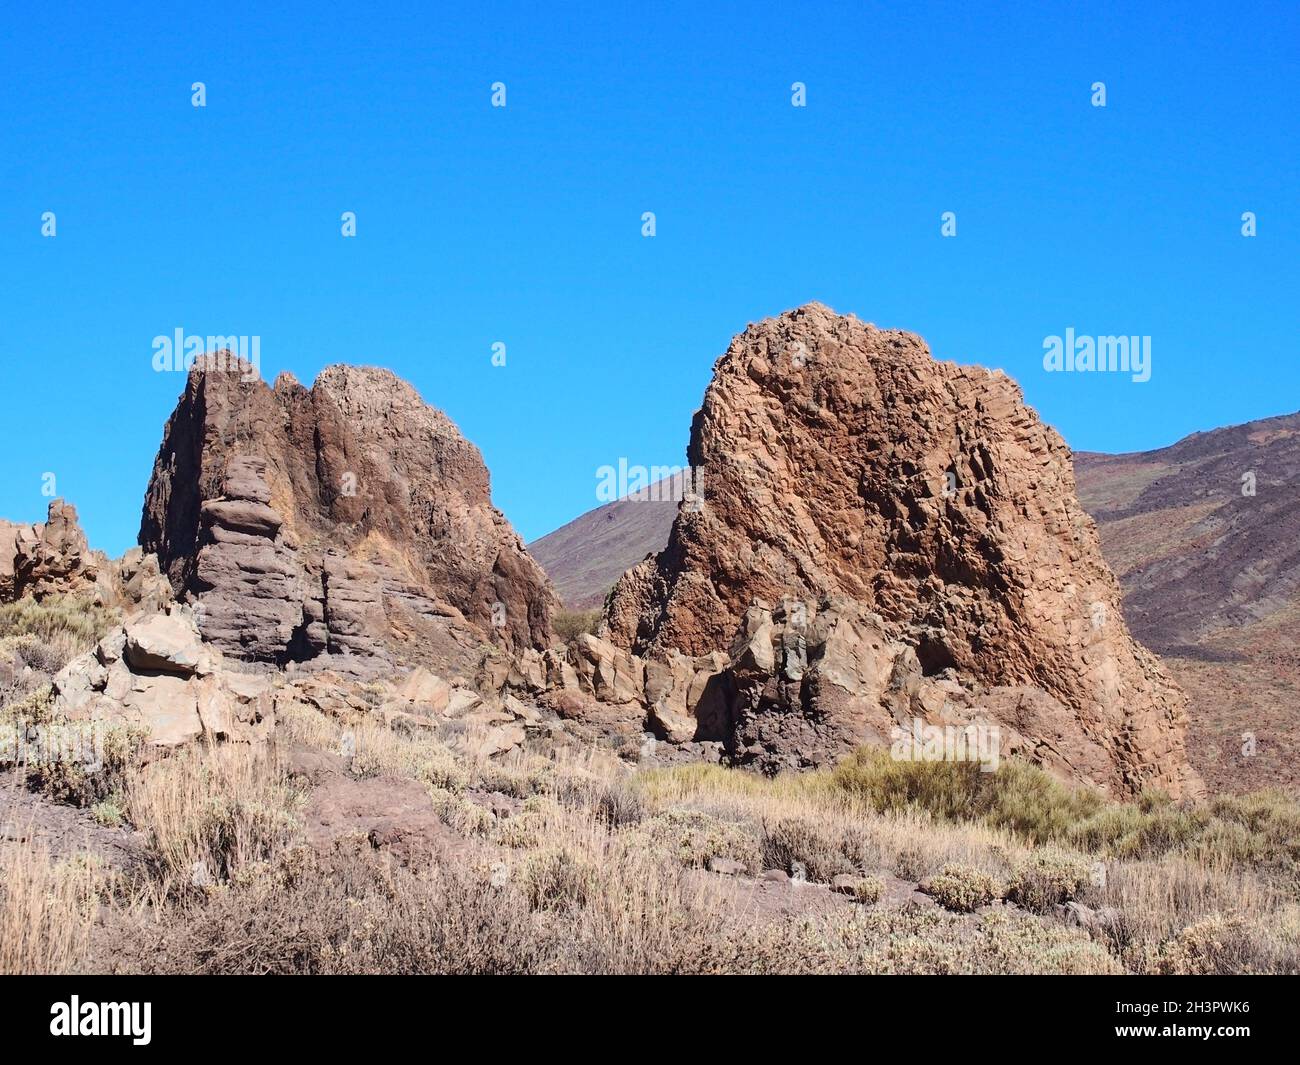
[[842, 462], [52, 558], [347, 524]]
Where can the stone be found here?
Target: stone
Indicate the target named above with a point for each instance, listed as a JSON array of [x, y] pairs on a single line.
[[842, 464], [427, 691], [168, 643]]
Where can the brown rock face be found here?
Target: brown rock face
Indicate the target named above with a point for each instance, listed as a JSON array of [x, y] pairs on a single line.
[[840, 461], [55, 559], [52, 558], [348, 520]]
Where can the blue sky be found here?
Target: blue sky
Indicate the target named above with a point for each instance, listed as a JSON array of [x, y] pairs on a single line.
[[523, 225]]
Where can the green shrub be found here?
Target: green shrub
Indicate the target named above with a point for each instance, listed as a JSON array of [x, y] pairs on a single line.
[[961, 888], [1017, 796], [569, 624]]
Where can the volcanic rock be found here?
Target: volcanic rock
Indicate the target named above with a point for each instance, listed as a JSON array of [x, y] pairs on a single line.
[[154, 676], [347, 524], [842, 462], [52, 558]]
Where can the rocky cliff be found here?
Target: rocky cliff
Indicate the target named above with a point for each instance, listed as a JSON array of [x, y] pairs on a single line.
[[348, 522]]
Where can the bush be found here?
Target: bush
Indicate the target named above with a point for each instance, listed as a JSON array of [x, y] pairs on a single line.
[[868, 890], [1047, 878], [961, 889], [1216, 944], [693, 837], [66, 625], [819, 848], [554, 878], [569, 624], [1017, 796]]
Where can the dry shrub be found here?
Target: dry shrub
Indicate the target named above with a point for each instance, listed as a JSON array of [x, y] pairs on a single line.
[[823, 849], [692, 837], [207, 812], [1231, 944], [47, 910], [554, 878], [66, 626], [348, 912], [1048, 878], [961, 889], [868, 890]]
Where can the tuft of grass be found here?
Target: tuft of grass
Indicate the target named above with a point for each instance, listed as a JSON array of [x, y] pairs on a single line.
[[209, 812], [47, 911]]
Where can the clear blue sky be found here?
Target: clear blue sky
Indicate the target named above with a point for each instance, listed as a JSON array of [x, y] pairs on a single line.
[[523, 224]]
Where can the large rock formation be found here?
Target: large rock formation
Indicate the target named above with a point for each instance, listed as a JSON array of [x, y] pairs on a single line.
[[346, 523], [842, 464]]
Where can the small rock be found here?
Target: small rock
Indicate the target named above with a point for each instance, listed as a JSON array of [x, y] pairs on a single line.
[[845, 884], [726, 866]]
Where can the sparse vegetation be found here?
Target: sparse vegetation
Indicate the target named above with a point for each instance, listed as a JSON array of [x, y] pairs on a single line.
[[65, 627], [571, 623], [573, 863], [961, 889]]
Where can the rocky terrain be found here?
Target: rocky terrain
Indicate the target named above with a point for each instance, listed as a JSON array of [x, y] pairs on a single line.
[[587, 556], [1208, 574], [321, 721], [1205, 538]]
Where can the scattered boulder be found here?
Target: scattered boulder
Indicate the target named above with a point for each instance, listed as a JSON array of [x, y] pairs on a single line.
[[154, 675]]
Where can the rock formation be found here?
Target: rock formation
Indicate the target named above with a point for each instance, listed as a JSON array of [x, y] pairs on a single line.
[[930, 506], [52, 558], [347, 523], [155, 677]]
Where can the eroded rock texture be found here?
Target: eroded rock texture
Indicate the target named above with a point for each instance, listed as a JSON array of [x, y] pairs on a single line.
[[842, 462], [348, 523]]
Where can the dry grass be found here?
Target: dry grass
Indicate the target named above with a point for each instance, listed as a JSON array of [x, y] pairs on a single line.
[[65, 627], [210, 813], [47, 910], [598, 869]]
